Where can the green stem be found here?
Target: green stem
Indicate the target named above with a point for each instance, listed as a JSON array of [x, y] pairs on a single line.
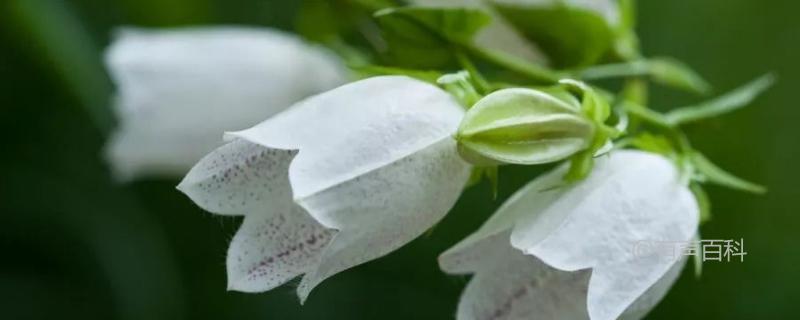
[[534, 72], [474, 73]]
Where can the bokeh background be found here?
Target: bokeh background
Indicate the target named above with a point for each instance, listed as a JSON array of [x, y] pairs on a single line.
[[76, 245]]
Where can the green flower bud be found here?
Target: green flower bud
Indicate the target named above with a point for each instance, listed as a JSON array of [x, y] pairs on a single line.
[[524, 126]]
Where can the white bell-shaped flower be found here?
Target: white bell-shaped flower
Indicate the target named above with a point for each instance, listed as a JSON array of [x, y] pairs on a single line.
[[336, 180], [590, 250], [180, 89]]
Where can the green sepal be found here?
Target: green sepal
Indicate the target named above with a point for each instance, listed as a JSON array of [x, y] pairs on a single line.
[[459, 85], [728, 102], [698, 257], [714, 174], [580, 166], [703, 203], [626, 43], [596, 108], [673, 73], [666, 71]]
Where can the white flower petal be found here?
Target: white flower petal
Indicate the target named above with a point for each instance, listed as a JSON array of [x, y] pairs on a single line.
[[384, 209], [630, 196], [640, 200], [239, 178], [180, 89], [274, 246], [376, 167], [510, 285], [278, 240], [654, 294], [530, 200], [357, 128]]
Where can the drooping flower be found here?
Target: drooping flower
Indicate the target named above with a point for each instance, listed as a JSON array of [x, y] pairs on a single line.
[[580, 251], [336, 180], [180, 89]]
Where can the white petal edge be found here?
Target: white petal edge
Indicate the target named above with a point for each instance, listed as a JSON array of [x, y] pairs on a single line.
[[510, 285]]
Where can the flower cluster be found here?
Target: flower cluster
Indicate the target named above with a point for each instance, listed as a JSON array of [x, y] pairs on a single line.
[[453, 90]]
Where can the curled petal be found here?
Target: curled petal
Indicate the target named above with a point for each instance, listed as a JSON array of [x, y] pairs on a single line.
[[180, 89], [238, 178], [278, 239], [273, 246], [510, 285]]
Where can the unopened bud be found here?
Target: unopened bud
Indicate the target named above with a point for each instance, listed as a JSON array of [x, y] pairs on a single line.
[[524, 126]]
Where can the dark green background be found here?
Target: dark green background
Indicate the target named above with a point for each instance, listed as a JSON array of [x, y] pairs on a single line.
[[76, 245]]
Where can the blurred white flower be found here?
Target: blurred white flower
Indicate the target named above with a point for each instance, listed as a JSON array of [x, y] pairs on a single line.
[[180, 89], [336, 180], [567, 252]]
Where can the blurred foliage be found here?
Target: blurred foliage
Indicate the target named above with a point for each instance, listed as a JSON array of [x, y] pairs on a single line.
[[77, 245]]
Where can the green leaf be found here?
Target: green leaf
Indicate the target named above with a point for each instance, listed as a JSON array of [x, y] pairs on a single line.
[[571, 36], [673, 73], [721, 177], [316, 20], [728, 102], [703, 202], [425, 37], [324, 20], [665, 71]]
